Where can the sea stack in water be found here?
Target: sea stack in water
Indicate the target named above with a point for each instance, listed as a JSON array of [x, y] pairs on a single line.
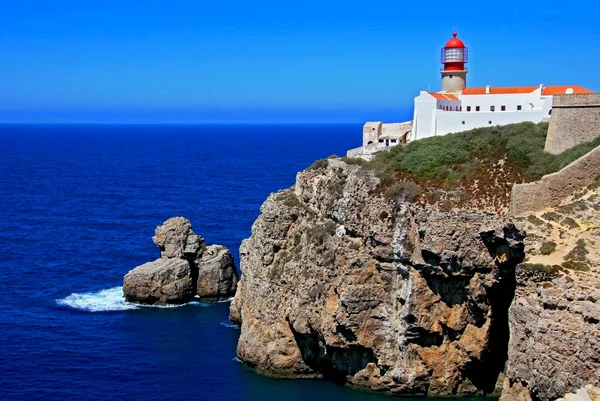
[[187, 267]]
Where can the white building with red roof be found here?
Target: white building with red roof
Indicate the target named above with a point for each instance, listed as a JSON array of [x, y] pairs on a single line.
[[458, 108]]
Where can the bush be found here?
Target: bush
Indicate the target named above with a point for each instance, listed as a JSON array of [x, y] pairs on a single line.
[[403, 191], [575, 265], [319, 164], [447, 160], [533, 219], [579, 253], [539, 267], [569, 222], [354, 161], [548, 247]]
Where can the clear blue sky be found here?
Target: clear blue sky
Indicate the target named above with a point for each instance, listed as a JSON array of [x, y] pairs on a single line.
[[307, 60]]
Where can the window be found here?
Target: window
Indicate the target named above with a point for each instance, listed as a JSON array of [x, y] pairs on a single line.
[[550, 112], [381, 141], [468, 108], [502, 108], [489, 122], [492, 108], [519, 108], [476, 108], [463, 123], [393, 141]]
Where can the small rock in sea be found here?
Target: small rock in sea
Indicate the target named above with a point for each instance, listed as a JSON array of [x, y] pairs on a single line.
[[186, 268]]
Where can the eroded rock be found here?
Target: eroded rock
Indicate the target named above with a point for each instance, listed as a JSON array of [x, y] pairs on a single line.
[[186, 268], [217, 275], [342, 283], [164, 281]]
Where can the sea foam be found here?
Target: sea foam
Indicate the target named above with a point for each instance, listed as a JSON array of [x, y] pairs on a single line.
[[110, 300], [227, 323]]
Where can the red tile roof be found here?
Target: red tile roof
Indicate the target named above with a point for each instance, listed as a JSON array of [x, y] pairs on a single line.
[[548, 90], [442, 96], [561, 90]]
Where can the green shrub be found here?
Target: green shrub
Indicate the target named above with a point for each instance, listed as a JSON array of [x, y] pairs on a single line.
[[548, 247], [579, 253], [403, 191], [552, 216], [533, 219], [539, 267], [354, 161], [451, 160], [576, 265], [569, 222], [319, 164]]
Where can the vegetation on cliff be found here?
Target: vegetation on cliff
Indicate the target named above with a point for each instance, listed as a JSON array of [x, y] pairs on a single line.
[[477, 165]]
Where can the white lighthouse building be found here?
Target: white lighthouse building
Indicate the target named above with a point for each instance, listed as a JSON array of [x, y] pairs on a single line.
[[458, 108]]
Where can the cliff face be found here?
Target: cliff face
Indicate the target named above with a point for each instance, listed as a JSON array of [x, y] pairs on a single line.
[[555, 317], [340, 282]]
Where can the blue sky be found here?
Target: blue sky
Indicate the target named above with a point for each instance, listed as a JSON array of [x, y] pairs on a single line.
[[267, 61]]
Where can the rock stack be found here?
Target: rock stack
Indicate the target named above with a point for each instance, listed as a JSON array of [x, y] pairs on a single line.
[[186, 267]]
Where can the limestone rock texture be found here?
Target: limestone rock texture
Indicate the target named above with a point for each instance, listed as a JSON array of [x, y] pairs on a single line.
[[164, 281], [340, 282], [186, 268], [217, 274], [554, 320]]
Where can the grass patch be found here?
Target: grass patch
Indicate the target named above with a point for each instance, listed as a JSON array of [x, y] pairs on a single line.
[[403, 191], [551, 216], [319, 164], [539, 267], [548, 247], [353, 161], [533, 219], [494, 157], [579, 253], [569, 222], [576, 265]]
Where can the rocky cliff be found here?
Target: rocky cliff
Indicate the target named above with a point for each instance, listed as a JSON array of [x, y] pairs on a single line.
[[342, 282], [554, 325]]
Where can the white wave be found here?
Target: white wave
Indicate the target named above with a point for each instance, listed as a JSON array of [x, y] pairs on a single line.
[[236, 359], [110, 300], [227, 323], [226, 300]]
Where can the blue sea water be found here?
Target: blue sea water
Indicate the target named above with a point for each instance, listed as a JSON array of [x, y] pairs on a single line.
[[78, 208]]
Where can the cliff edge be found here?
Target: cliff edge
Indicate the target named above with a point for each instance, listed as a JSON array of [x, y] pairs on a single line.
[[341, 282]]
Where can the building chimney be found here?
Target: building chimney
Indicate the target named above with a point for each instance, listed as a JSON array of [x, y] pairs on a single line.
[[488, 89]]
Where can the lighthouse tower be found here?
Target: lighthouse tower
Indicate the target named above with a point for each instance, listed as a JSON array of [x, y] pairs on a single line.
[[454, 58]]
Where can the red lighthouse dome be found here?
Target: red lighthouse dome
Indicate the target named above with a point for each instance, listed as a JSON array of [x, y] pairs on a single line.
[[454, 55], [454, 42]]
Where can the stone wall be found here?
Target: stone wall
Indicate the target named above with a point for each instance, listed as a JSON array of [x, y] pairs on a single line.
[[575, 119], [551, 189]]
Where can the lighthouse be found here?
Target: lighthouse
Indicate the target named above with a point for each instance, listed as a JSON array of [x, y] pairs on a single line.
[[454, 58]]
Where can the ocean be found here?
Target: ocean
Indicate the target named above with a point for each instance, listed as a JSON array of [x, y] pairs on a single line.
[[78, 208]]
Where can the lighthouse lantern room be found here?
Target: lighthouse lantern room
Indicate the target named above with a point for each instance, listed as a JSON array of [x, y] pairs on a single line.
[[454, 57]]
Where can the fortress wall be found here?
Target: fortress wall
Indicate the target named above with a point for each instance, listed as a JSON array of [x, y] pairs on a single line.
[[551, 189], [575, 119]]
